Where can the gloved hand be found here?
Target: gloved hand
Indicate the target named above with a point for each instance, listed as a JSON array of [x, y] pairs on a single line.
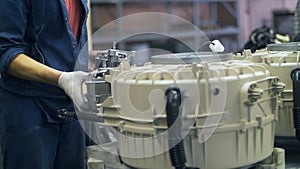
[[71, 83]]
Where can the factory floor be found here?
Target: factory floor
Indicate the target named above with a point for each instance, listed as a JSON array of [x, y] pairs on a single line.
[[292, 151], [292, 159]]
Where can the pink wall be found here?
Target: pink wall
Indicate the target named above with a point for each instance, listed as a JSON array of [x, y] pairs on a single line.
[[255, 12]]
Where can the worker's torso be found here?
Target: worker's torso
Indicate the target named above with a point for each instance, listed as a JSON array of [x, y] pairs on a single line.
[[49, 40]]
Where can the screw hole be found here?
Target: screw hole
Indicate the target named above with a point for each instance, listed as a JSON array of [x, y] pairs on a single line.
[[215, 91]]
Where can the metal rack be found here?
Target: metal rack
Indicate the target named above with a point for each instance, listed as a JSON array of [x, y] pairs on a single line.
[[233, 10]]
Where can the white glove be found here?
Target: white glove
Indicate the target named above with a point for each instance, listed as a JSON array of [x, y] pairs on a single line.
[[71, 83]]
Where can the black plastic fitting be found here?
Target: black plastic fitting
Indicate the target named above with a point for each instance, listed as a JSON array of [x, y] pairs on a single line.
[[295, 75], [173, 109]]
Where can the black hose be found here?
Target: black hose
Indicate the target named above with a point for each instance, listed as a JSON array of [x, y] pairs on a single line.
[[295, 75], [296, 111], [173, 108]]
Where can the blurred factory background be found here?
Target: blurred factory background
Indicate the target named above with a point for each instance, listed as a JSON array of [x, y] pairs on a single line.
[[230, 21]]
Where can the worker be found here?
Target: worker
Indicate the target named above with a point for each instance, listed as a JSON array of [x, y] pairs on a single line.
[[40, 45]]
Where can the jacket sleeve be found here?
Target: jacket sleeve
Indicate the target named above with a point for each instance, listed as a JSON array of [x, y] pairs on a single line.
[[13, 25]]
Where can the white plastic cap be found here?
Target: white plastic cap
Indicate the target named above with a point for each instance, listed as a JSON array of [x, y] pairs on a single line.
[[216, 46]]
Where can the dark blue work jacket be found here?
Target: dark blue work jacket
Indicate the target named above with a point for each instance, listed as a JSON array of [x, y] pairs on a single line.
[[41, 30]]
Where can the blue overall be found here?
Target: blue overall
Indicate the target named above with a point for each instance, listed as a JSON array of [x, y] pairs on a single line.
[[33, 136], [35, 139]]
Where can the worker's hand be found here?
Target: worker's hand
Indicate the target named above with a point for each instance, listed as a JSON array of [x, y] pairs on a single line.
[[71, 83]]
